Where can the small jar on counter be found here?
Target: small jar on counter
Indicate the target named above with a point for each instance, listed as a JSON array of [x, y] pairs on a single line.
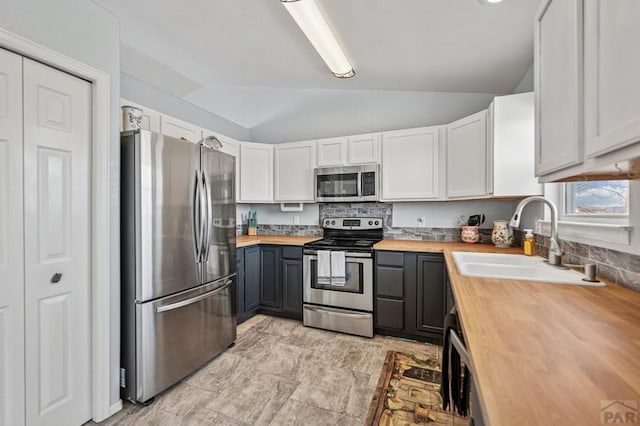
[[529, 243]]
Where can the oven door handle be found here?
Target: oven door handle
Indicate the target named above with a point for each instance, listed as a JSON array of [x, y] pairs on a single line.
[[349, 256], [327, 311]]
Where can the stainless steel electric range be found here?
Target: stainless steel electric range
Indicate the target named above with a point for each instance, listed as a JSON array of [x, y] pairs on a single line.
[[338, 276]]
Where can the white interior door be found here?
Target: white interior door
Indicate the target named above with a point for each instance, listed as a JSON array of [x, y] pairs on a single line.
[[57, 136], [11, 238]]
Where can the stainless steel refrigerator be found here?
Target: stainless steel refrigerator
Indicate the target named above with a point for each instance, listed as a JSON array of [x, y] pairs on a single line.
[[178, 259]]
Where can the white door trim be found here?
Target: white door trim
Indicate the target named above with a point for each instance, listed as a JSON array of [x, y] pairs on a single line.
[[100, 208]]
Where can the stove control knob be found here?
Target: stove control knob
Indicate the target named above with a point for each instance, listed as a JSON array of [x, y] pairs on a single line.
[[370, 222], [327, 222], [333, 222], [377, 222]]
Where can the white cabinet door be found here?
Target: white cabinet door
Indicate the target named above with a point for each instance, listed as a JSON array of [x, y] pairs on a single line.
[[150, 118], [294, 163], [558, 73], [410, 164], [332, 152], [232, 147], [175, 128], [57, 139], [364, 148], [12, 392], [467, 156], [611, 75], [511, 128], [256, 173]]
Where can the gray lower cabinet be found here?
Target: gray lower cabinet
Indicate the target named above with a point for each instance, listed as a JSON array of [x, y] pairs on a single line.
[[269, 280], [410, 291], [251, 279], [270, 285], [239, 287], [292, 281]]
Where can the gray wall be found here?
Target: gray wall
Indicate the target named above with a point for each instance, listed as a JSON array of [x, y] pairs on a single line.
[[142, 93], [84, 31], [526, 84], [327, 113]]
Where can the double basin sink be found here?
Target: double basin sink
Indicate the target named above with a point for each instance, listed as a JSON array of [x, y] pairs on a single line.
[[516, 267]]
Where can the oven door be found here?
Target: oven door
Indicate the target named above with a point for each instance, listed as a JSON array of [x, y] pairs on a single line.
[[357, 293]]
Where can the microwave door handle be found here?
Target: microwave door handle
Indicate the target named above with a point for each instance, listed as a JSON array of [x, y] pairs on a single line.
[[359, 184]]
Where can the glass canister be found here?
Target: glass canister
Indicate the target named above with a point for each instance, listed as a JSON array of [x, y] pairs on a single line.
[[470, 234], [502, 235]]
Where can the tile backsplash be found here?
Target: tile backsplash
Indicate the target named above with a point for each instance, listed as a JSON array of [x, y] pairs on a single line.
[[383, 210], [620, 267]]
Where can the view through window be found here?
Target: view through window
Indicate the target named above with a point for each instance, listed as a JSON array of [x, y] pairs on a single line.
[[610, 197]]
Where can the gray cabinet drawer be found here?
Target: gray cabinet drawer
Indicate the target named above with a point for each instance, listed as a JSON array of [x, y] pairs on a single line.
[[390, 258], [290, 252]]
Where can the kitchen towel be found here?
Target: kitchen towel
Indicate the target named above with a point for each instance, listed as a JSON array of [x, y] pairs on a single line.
[[338, 268], [324, 267]]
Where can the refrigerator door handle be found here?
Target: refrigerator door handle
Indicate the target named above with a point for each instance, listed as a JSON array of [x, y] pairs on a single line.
[[209, 207], [193, 299], [195, 222]]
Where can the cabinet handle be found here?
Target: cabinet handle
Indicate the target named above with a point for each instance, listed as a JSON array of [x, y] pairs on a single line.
[[56, 278]]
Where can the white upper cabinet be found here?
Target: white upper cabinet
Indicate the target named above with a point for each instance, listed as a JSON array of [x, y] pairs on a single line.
[[229, 146], [349, 150], [511, 128], [611, 75], [294, 164], [467, 157], [364, 149], [175, 128], [558, 69], [256, 173], [150, 118], [332, 152], [411, 164]]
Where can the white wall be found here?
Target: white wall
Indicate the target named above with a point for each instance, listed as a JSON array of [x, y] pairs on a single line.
[[270, 214], [145, 94], [311, 114], [526, 84], [86, 32], [445, 214]]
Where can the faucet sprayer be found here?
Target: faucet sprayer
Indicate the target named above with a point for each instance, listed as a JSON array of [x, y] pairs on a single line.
[[555, 253]]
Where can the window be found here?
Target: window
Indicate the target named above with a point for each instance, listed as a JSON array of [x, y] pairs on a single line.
[[597, 198]]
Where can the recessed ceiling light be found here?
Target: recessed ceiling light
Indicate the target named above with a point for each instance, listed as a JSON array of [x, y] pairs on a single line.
[[310, 20]]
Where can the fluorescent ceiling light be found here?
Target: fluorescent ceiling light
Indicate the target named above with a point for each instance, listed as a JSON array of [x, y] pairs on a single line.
[[490, 1], [315, 27]]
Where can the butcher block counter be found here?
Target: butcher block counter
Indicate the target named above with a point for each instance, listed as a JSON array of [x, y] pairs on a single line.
[[283, 240], [544, 354]]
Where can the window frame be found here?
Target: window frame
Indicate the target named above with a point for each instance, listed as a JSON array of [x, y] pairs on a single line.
[[613, 218]]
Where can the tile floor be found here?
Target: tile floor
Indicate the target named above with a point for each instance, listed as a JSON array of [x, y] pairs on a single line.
[[278, 373]]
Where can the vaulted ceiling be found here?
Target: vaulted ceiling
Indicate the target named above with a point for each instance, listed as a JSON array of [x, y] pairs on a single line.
[[203, 50]]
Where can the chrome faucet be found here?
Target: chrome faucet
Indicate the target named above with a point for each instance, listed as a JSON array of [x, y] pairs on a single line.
[[555, 253]]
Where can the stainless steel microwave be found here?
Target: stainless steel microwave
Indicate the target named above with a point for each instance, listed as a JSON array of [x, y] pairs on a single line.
[[348, 184]]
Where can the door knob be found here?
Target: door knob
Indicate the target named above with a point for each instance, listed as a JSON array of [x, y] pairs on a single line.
[[56, 278]]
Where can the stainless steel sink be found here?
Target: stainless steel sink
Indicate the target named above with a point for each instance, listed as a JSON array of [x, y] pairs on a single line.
[[516, 267]]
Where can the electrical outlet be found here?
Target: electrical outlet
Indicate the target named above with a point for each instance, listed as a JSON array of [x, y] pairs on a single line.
[[422, 221], [296, 220]]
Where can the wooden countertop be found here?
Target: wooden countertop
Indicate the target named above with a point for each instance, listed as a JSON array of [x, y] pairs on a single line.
[[543, 354], [251, 240]]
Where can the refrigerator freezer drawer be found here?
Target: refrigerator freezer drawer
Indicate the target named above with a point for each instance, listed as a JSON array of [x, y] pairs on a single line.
[[179, 333]]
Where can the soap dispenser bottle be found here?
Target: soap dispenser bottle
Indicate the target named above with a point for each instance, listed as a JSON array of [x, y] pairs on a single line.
[[529, 244]]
